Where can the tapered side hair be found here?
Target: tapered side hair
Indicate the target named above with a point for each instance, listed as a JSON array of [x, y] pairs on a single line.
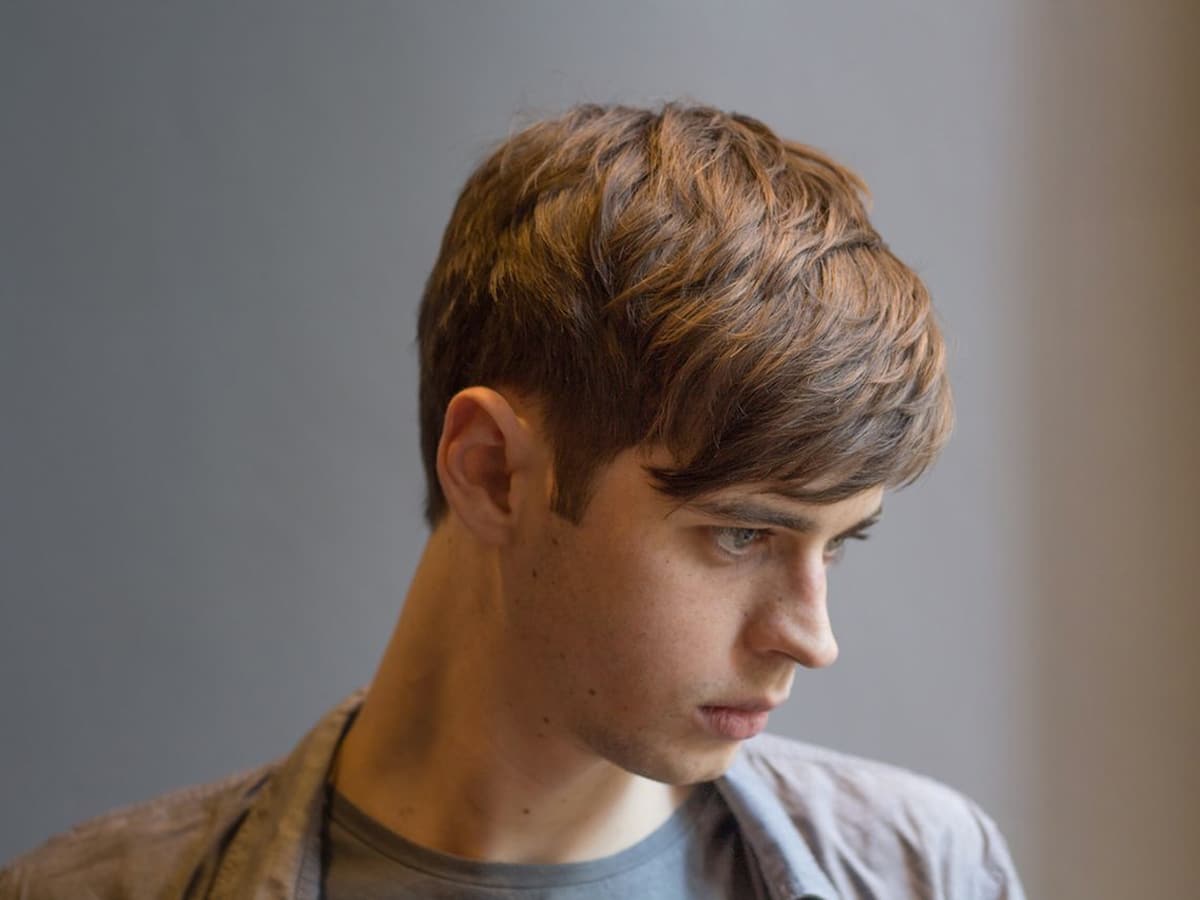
[[682, 277]]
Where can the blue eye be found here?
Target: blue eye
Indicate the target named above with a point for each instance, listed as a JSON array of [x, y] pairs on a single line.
[[737, 541], [834, 549]]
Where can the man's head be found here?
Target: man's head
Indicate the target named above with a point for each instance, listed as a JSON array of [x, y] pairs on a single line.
[[684, 279], [668, 369]]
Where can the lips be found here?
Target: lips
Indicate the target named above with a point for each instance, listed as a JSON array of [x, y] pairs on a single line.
[[753, 705], [735, 723]]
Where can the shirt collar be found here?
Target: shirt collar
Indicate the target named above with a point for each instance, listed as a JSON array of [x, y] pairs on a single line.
[[788, 865]]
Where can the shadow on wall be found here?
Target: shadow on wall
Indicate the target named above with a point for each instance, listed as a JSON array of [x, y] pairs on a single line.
[[1114, 325]]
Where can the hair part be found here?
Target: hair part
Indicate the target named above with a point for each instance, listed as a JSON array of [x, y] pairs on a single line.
[[683, 277]]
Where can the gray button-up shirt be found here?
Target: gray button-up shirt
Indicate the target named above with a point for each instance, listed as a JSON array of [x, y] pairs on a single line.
[[819, 824]]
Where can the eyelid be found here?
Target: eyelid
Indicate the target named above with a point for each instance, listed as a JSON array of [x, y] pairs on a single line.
[[757, 529], [860, 534], [838, 544]]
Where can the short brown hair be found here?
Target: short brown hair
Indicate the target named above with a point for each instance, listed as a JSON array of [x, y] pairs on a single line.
[[684, 277]]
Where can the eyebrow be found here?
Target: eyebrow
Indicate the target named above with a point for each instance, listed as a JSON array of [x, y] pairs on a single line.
[[751, 513]]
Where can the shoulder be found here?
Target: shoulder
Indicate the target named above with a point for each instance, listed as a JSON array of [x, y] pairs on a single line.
[[869, 822], [853, 788], [136, 851]]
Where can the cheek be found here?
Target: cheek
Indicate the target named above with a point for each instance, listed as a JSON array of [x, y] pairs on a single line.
[[653, 620]]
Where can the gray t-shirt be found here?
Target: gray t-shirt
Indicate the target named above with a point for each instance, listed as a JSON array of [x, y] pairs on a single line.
[[697, 853]]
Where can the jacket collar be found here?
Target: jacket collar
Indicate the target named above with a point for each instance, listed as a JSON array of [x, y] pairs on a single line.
[[788, 865], [276, 852]]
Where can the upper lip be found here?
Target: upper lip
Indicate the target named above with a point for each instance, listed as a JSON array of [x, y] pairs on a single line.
[[750, 706]]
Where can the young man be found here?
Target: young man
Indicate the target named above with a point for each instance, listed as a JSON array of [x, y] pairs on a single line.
[[667, 370]]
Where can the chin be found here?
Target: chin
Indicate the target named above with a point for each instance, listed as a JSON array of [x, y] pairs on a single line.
[[677, 764]]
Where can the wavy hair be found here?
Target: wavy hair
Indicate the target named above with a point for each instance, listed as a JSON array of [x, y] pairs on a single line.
[[683, 277]]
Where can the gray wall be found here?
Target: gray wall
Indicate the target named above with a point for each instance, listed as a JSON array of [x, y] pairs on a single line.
[[215, 222]]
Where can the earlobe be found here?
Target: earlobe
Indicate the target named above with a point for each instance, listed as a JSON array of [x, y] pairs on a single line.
[[484, 448]]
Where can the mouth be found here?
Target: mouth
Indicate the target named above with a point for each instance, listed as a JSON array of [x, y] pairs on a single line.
[[748, 706], [734, 723]]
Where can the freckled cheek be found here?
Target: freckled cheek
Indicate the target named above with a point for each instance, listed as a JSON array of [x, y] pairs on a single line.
[[663, 622], [634, 611]]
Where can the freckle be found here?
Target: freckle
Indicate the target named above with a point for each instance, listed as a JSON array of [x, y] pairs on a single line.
[[592, 691], [526, 811], [546, 719], [535, 573], [562, 656], [554, 541]]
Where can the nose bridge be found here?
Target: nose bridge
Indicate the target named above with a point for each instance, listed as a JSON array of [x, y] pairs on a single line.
[[794, 618]]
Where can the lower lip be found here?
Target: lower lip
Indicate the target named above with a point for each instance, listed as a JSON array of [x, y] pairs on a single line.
[[733, 724]]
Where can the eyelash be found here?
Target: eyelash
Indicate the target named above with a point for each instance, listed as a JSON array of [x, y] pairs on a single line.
[[833, 553], [839, 548]]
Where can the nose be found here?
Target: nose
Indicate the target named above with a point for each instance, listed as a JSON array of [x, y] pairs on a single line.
[[793, 619]]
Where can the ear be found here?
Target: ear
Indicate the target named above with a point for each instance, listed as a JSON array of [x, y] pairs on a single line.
[[484, 455]]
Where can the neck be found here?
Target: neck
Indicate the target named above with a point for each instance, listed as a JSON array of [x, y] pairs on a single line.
[[454, 749]]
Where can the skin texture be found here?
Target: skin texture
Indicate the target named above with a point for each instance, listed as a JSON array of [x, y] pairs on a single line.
[[538, 701]]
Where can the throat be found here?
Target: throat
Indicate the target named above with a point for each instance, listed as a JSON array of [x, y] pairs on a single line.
[[493, 810]]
